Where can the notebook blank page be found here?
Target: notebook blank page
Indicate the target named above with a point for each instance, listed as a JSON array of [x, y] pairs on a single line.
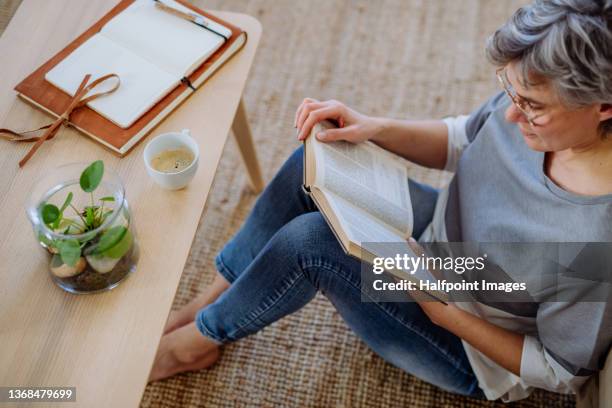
[[142, 83], [174, 44]]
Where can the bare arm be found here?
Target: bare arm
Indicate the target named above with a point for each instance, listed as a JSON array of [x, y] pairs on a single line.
[[503, 346], [422, 142]]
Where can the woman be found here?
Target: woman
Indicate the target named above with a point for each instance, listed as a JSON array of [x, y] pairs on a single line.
[[532, 164]]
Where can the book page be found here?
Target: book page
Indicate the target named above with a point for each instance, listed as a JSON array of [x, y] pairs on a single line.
[[142, 83], [367, 179], [358, 224], [368, 233], [176, 45]]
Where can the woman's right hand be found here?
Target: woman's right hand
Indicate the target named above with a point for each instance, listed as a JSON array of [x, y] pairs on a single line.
[[353, 126]]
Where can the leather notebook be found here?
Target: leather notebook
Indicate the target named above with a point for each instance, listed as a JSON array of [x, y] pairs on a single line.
[[169, 81]]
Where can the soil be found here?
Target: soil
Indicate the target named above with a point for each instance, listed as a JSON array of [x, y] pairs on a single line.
[[91, 281]]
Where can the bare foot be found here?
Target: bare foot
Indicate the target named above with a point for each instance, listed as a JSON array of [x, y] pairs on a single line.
[[177, 319], [187, 313], [184, 349]]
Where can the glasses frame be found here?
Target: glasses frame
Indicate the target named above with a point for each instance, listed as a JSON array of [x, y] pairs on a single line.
[[522, 105]]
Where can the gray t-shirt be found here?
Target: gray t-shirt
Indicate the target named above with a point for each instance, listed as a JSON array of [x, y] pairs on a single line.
[[500, 193]]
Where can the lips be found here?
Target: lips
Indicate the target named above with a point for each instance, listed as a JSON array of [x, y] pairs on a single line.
[[527, 134]]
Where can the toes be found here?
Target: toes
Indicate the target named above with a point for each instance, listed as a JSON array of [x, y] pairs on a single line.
[[161, 372]]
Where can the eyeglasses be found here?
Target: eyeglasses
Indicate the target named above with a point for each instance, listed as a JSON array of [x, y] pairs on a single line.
[[522, 105]]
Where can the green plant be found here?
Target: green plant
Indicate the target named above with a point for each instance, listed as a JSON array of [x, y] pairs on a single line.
[[113, 242]]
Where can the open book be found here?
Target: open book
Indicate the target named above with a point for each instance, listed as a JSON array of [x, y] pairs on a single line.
[[150, 49], [362, 191]]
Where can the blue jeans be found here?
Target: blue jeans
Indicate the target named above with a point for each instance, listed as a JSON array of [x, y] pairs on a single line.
[[285, 252]]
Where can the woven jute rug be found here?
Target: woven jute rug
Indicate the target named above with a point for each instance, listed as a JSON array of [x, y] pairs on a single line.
[[397, 58]]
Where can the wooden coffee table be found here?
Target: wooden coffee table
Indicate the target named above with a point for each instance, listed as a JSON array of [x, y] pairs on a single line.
[[102, 344]]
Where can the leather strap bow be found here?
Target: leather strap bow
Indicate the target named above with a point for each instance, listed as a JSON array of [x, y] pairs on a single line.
[[79, 100]]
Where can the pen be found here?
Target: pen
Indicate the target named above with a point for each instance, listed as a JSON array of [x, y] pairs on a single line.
[[194, 18]]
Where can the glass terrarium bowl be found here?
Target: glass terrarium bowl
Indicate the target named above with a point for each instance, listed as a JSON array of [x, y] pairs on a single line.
[[84, 258]]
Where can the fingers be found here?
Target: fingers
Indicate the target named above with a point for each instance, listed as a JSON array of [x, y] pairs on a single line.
[[316, 116], [307, 109], [299, 109], [414, 245], [331, 135]]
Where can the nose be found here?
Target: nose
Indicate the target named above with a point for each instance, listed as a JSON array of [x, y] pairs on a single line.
[[514, 115]]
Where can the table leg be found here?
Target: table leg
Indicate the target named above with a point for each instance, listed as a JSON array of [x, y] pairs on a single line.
[[242, 133]]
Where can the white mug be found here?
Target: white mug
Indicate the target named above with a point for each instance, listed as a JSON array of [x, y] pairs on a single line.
[[166, 141]]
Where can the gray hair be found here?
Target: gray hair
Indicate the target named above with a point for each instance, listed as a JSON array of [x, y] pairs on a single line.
[[568, 42]]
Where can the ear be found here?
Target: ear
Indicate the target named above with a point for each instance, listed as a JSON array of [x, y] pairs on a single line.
[[605, 111]]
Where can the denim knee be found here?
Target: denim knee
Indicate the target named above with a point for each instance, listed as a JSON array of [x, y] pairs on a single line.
[[282, 200], [317, 252], [291, 173], [304, 236]]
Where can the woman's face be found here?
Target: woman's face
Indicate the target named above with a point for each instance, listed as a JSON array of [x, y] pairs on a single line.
[[556, 128]]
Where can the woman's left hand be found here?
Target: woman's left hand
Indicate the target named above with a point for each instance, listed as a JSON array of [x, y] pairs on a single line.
[[438, 312], [503, 346]]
